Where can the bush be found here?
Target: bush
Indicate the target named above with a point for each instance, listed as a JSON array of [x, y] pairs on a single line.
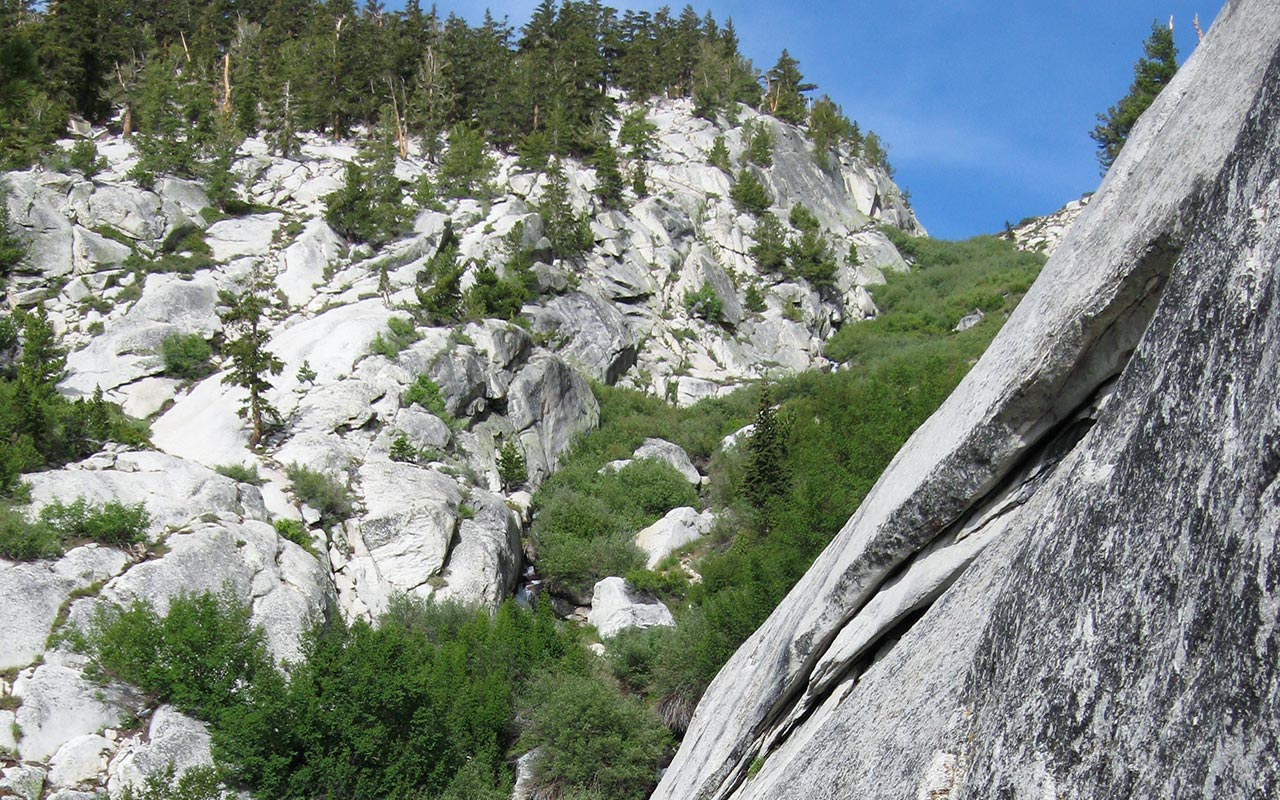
[[186, 355], [466, 167], [330, 497], [592, 738], [749, 194], [196, 783], [400, 334], [84, 158], [758, 143], [586, 520], [718, 156], [24, 540], [704, 303], [369, 207], [770, 244], [426, 394], [241, 473], [296, 532], [201, 656], [111, 523], [512, 467], [419, 706]]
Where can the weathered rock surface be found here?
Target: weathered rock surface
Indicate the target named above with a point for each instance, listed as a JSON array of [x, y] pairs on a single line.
[[679, 527], [615, 608], [31, 595], [172, 739], [1063, 584], [58, 705]]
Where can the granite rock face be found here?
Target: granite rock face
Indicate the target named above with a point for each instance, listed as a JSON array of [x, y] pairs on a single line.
[[1064, 584]]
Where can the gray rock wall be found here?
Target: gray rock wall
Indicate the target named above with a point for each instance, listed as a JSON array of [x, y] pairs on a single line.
[[1063, 586]]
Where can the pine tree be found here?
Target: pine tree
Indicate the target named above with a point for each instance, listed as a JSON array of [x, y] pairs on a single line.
[[785, 97], [1151, 74], [512, 467], [765, 473], [243, 317]]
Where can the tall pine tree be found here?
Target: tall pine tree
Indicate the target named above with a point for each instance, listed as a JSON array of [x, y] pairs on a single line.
[[1151, 74]]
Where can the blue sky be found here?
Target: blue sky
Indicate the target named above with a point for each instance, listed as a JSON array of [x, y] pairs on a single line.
[[986, 106]]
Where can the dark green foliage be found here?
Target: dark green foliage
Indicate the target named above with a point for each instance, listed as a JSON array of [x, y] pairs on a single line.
[[749, 194], [38, 426], [84, 158], [609, 182], [802, 219], [28, 117], [419, 706], [426, 394], [196, 783], [534, 152], [402, 450], [593, 738], [329, 496], [874, 152], [784, 98], [811, 257], [569, 232], [770, 246], [637, 134], [112, 523], [369, 207], [586, 519], [1151, 74], [493, 297], [26, 540], [186, 355], [439, 287], [512, 467], [718, 156], [241, 473], [294, 531], [400, 334], [829, 128], [704, 303], [252, 365], [202, 655], [753, 299], [467, 166], [12, 249], [758, 143], [765, 469]]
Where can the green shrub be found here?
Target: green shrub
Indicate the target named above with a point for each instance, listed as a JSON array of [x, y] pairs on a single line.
[[369, 207], [201, 655], [330, 497], [111, 523], [704, 303], [418, 706], [402, 450], [591, 737], [758, 143], [84, 158], [467, 167], [296, 532], [196, 783], [512, 467], [586, 520], [802, 219], [749, 194], [754, 300], [491, 297], [241, 473], [22, 539], [186, 355], [718, 156], [400, 334], [426, 394], [770, 244]]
